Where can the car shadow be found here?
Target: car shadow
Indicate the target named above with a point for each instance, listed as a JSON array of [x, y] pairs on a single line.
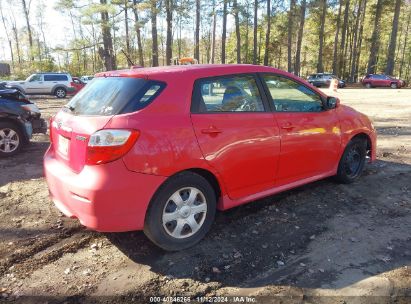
[[27, 164], [286, 238]]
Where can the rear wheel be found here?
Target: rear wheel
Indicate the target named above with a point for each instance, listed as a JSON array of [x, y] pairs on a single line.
[[181, 212], [11, 139], [393, 85], [352, 161], [368, 85], [60, 92]]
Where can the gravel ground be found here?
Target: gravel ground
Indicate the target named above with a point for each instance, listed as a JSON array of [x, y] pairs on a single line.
[[320, 243]]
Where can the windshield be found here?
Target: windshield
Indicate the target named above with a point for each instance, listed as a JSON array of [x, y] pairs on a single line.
[[114, 95]]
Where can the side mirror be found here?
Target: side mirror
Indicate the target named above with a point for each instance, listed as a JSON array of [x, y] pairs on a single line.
[[332, 102]]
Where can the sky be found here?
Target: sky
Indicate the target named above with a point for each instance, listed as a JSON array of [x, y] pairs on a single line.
[[56, 24]]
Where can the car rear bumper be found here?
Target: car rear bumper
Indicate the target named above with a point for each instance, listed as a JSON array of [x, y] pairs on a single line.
[[107, 198]]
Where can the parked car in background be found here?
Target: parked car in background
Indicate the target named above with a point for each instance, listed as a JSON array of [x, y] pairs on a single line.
[[78, 85], [324, 79], [57, 84], [86, 79], [19, 119], [381, 80], [160, 149]]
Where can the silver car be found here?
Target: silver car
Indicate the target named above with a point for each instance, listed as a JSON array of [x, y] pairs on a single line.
[[57, 84]]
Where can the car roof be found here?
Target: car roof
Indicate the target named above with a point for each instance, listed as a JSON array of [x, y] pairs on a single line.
[[193, 71], [53, 73]]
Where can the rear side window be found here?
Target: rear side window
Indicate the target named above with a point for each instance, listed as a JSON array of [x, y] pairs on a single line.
[[55, 78], [114, 95], [227, 94]]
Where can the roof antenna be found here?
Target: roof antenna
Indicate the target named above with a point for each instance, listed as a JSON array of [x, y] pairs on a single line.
[[130, 62]]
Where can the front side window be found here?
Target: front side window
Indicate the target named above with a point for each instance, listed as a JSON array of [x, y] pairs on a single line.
[[35, 77], [227, 94], [290, 96]]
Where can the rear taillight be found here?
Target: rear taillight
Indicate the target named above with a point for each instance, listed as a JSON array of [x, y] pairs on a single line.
[[107, 145]]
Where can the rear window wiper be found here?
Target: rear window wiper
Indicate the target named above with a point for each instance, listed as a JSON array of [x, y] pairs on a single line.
[[71, 108]]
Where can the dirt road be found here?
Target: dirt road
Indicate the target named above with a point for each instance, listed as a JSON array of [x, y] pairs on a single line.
[[321, 243]]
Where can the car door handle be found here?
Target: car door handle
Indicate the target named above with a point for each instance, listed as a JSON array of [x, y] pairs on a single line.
[[287, 127], [211, 130]]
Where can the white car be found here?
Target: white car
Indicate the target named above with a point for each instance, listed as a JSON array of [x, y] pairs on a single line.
[[57, 84], [86, 79]]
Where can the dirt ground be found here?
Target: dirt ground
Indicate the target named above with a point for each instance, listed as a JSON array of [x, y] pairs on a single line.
[[320, 243]]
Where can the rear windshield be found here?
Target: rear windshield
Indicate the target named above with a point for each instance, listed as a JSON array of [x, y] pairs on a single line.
[[114, 95]]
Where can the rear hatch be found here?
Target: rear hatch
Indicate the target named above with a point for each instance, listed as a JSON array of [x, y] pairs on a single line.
[[91, 110]]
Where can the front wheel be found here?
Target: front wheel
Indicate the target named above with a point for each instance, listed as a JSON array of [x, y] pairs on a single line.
[[394, 86], [368, 85], [352, 161], [181, 212], [11, 139]]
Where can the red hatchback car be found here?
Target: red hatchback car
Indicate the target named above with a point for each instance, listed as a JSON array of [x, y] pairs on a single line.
[[160, 149]]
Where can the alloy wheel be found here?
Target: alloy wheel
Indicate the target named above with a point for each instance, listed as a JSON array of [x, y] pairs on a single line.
[[60, 93], [9, 140]]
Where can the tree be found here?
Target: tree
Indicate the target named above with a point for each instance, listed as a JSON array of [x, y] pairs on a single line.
[[138, 33], [169, 39], [375, 39], [107, 53], [297, 64], [335, 52], [26, 11], [290, 35], [255, 24], [224, 34], [7, 34], [154, 47], [267, 34], [405, 43], [214, 15], [126, 27], [341, 62], [320, 67], [237, 29], [197, 32], [389, 69], [354, 50]]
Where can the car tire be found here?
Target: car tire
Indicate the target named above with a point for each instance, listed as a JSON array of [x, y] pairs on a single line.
[[368, 85], [394, 85], [352, 162], [60, 92], [181, 212], [11, 139]]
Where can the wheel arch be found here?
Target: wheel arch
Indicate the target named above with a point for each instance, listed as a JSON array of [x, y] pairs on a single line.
[[367, 138], [206, 174]]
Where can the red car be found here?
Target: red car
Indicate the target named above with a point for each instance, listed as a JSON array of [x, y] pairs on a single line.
[[160, 149], [379, 80], [77, 84]]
